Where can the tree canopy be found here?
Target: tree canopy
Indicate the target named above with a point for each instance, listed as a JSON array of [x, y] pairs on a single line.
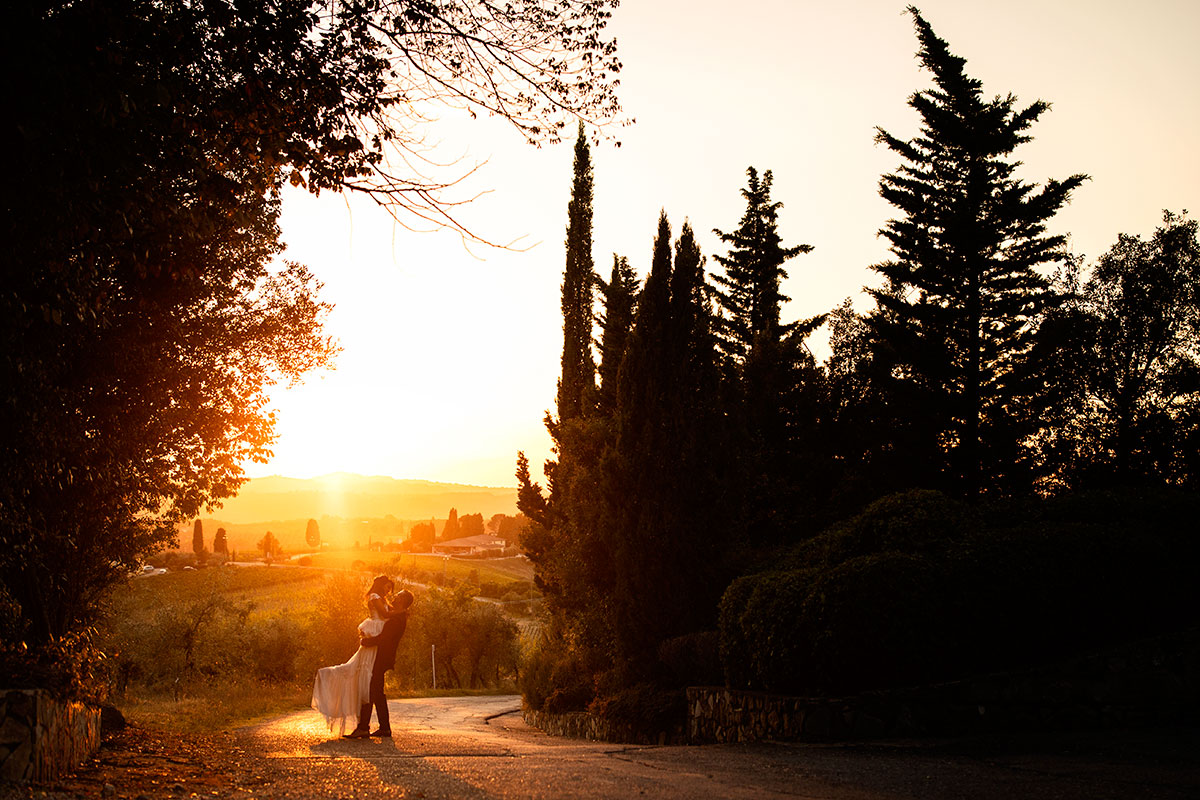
[[147, 310], [1130, 360], [963, 296]]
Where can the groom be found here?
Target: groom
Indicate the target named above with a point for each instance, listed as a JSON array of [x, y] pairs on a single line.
[[385, 659]]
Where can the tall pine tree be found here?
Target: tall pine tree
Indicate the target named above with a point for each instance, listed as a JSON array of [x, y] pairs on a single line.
[[578, 368], [963, 295], [767, 359], [748, 292], [567, 549]]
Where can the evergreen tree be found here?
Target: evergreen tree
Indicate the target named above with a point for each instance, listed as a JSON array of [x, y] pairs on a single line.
[[312, 533], [772, 368], [619, 295], [666, 508], [561, 541], [963, 296], [748, 292], [638, 470], [450, 531], [578, 368], [221, 543], [198, 539]]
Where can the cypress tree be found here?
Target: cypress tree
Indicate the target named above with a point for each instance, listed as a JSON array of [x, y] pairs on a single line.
[[198, 539], [662, 486], [963, 296], [578, 369], [565, 546], [636, 469], [619, 295]]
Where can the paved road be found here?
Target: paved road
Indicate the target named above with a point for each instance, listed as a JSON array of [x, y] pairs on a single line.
[[476, 748]]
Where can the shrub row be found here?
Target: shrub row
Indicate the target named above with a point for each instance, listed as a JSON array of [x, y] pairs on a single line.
[[920, 588]]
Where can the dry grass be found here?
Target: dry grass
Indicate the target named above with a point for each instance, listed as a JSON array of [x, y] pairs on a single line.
[[215, 708], [494, 570]]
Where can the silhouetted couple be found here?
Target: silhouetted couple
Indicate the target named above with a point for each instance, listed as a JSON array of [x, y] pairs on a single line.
[[349, 691]]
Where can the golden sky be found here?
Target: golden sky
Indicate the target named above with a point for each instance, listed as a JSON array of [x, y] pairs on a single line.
[[451, 356]]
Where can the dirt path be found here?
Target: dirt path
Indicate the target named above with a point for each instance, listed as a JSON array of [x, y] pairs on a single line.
[[479, 748]]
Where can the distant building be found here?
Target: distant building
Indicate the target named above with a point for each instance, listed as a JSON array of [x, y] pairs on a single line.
[[484, 544]]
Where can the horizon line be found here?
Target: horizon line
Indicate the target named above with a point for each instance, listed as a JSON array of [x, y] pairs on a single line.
[[345, 473]]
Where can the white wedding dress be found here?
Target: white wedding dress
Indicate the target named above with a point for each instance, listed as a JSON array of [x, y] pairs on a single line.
[[340, 692]]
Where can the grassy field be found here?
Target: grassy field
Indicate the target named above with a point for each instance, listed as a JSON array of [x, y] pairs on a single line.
[[502, 571], [270, 589]]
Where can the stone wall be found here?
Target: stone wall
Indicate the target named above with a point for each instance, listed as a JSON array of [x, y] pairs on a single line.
[[1152, 682], [41, 737], [1156, 681]]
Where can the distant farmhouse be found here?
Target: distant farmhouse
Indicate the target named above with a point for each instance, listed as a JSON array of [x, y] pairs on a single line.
[[482, 545]]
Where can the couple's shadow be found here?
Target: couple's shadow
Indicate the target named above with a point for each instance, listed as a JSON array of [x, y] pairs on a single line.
[[332, 748], [394, 766]]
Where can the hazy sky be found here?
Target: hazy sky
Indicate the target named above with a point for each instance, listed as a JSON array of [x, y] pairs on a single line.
[[451, 356]]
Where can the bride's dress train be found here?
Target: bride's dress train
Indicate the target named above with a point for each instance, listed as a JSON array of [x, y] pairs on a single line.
[[339, 692]]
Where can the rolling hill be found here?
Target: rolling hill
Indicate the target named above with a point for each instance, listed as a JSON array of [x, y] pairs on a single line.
[[358, 497], [351, 509]]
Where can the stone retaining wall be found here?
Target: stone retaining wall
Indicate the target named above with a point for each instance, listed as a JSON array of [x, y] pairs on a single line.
[[1152, 682], [41, 737]]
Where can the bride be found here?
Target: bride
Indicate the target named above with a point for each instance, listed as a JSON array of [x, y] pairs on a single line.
[[339, 692]]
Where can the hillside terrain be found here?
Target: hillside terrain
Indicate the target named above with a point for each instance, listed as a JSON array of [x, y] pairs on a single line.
[[349, 509], [355, 496]]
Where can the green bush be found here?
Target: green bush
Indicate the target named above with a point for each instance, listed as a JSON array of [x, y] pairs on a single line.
[[693, 659], [920, 588], [915, 522], [273, 646], [535, 684], [643, 707], [555, 679], [734, 646], [775, 628]]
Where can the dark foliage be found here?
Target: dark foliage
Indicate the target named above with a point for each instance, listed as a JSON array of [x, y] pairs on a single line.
[[908, 511], [578, 376], [963, 297], [920, 588], [1126, 351]]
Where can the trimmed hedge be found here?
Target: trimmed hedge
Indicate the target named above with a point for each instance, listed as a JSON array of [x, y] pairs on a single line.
[[920, 588]]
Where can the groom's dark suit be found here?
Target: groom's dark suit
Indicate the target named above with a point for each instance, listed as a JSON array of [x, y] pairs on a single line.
[[385, 658]]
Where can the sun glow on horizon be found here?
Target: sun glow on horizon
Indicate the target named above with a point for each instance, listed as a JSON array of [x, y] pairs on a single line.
[[451, 356]]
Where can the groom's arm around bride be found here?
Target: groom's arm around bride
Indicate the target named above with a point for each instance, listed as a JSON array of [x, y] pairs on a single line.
[[385, 658]]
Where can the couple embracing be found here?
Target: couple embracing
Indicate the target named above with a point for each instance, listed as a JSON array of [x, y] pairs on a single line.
[[348, 691]]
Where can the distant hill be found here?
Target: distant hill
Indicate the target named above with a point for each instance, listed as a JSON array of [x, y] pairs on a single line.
[[355, 496]]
